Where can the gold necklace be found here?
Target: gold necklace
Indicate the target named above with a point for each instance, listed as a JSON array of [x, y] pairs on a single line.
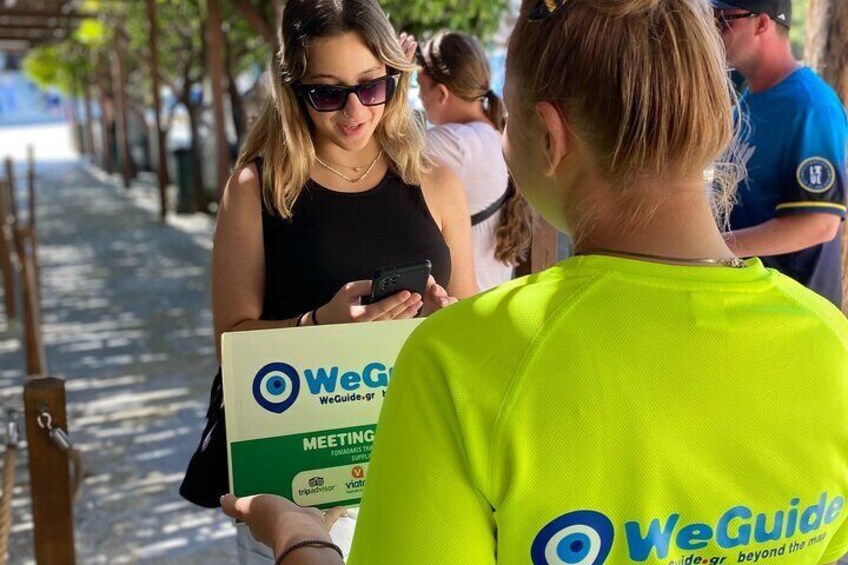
[[733, 262], [344, 176]]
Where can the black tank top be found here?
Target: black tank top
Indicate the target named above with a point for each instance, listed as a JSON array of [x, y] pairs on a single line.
[[334, 238]]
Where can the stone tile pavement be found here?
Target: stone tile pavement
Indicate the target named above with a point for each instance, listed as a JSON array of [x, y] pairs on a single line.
[[127, 322]]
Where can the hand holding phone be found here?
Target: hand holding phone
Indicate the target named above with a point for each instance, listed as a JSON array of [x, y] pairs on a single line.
[[349, 305], [388, 281]]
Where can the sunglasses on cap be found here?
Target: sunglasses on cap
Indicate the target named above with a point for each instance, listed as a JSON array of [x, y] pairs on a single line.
[[332, 98]]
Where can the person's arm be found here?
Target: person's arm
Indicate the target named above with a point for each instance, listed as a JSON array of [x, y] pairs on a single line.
[[281, 524], [422, 501], [238, 259], [447, 202], [811, 192], [784, 234]]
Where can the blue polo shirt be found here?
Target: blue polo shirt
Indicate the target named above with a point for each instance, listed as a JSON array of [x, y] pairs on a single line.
[[796, 157]]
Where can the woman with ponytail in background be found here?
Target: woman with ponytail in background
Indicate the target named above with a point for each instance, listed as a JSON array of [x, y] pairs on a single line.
[[455, 82], [654, 399]]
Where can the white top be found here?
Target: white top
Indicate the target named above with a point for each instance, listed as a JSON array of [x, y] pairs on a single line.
[[473, 152]]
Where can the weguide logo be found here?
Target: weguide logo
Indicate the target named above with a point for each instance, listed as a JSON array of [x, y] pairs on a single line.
[[276, 387]]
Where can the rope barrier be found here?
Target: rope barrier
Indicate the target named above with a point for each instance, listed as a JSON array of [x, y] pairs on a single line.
[[12, 437]]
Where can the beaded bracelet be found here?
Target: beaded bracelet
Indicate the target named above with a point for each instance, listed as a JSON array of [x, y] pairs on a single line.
[[309, 543]]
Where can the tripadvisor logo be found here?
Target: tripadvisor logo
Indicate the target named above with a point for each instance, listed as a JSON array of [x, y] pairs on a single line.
[[276, 386], [586, 537]]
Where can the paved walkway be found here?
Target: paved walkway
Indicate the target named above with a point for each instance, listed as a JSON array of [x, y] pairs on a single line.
[[127, 321]]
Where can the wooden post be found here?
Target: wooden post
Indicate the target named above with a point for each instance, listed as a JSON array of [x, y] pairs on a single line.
[[216, 58], [119, 89], [36, 359], [31, 185], [50, 482], [6, 268], [543, 248], [157, 108], [11, 196]]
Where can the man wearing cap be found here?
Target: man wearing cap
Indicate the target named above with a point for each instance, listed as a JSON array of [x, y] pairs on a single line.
[[791, 208]]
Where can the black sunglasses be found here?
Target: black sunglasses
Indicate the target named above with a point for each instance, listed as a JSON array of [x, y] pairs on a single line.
[[332, 98], [723, 20], [544, 9]]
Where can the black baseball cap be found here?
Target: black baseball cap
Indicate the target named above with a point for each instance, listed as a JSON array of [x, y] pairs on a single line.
[[778, 10]]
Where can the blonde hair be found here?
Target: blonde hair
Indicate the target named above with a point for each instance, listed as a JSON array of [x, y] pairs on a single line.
[[459, 62], [643, 83], [282, 134]]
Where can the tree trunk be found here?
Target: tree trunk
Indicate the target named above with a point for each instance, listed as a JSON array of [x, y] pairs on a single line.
[[195, 156], [121, 116], [258, 21], [76, 120], [237, 105], [216, 61], [106, 115], [236, 100], [89, 118], [162, 158], [827, 52]]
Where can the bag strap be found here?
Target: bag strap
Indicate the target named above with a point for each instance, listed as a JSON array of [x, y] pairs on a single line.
[[492, 209]]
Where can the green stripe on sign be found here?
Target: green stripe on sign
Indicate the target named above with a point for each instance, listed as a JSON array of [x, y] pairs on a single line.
[[268, 465]]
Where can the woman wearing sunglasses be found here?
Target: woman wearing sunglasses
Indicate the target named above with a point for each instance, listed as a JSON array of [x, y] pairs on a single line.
[[653, 399], [455, 90], [330, 186]]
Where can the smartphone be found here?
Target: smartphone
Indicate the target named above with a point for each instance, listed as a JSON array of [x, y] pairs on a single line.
[[391, 280]]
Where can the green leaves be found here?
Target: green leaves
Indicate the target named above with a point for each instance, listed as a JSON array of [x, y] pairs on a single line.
[[420, 17], [182, 56], [61, 66]]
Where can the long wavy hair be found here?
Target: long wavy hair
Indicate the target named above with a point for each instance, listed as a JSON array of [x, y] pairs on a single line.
[[459, 63], [282, 134]]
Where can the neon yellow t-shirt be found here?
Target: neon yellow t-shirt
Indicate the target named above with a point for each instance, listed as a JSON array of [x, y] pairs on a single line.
[[616, 411]]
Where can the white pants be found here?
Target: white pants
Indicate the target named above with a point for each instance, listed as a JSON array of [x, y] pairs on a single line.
[[252, 552]]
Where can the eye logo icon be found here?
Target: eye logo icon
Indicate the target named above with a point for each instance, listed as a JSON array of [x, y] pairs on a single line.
[[577, 538], [276, 387]]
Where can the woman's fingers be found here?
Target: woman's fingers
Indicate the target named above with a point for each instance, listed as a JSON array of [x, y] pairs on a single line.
[[410, 312], [400, 308], [234, 507], [408, 45], [355, 290], [378, 310], [332, 515]]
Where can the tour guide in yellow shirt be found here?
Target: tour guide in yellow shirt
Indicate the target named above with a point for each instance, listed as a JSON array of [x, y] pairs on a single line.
[[653, 399], [621, 409]]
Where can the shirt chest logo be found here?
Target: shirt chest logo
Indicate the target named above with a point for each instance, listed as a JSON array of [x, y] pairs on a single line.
[[816, 175]]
